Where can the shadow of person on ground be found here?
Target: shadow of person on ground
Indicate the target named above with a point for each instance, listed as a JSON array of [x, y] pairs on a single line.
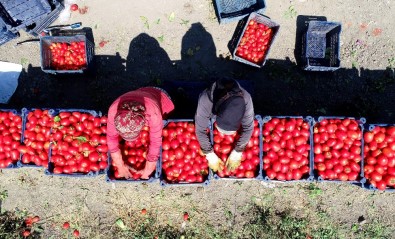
[[198, 64], [147, 62]]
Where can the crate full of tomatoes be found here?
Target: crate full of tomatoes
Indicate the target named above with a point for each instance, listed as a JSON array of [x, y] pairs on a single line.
[[66, 54], [379, 157], [255, 41], [78, 143], [10, 138], [251, 158], [134, 155], [338, 149], [182, 162], [36, 137], [286, 148]]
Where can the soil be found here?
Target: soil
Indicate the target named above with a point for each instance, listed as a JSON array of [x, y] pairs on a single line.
[[180, 45]]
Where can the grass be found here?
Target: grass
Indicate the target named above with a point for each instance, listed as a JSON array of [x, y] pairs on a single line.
[[264, 222], [313, 191], [373, 230], [291, 13]]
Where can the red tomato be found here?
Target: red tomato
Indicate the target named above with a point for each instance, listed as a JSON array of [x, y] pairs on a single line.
[[381, 185], [375, 176]]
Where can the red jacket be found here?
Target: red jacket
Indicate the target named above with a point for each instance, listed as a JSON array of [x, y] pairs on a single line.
[[157, 103]]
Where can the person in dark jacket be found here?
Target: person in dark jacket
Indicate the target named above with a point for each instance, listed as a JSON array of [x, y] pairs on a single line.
[[232, 106]]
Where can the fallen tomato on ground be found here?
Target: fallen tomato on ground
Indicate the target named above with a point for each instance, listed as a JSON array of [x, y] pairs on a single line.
[[26, 233], [76, 233], [66, 225], [74, 7], [186, 216], [143, 211]]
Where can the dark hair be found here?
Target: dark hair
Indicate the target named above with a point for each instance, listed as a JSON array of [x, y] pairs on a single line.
[[225, 88]]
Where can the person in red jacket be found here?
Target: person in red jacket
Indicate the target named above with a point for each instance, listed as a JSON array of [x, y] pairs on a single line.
[[126, 118]]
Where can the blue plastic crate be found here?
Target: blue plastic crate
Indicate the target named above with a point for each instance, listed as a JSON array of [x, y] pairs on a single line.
[[259, 169], [50, 169], [267, 22], [36, 28], [46, 41], [110, 175], [366, 184], [111, 179], [18, 14], [163, 181], [308, 178], [233, 10], [361, 122], [25, 113], [321, 46], [14, 165]]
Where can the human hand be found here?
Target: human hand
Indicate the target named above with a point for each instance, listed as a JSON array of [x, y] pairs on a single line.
[[234, 160], [148, 169], [213, 161], [123, 170]]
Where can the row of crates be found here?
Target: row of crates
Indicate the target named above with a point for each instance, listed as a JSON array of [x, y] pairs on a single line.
[[266, 128]]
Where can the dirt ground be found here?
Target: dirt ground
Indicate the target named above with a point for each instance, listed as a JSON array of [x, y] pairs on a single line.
[[154, 42]]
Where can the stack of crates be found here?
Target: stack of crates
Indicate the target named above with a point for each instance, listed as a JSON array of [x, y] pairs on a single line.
[[321, 46], [33, 16]]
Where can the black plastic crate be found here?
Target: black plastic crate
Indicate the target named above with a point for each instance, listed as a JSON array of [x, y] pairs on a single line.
[[46, 41], [263, 20], [36, 28], [233, 10], [321, 46], [20, 13]]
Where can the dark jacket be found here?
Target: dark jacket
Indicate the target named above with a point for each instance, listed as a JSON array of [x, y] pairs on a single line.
[[205, 112]]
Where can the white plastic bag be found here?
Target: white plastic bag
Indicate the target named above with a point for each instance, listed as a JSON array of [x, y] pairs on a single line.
[[9, 74], [64, 16]]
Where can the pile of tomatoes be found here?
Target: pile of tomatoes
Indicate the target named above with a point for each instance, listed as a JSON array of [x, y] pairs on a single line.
[[79, 143], [134, 154], [10, 138], [65, 56], [286, 147], [337, 149], [182, 159], [35, 148], [379, 153], [255, 42], [223, 146]]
